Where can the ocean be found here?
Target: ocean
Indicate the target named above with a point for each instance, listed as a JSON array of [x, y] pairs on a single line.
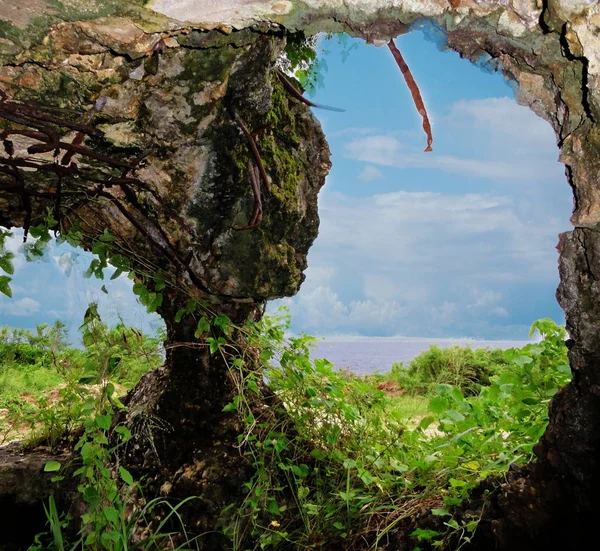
[[365, 355]]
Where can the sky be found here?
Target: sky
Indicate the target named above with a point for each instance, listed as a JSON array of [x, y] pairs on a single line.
[[455, 243]]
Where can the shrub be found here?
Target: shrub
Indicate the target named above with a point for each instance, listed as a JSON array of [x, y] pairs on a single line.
[[458, 366]]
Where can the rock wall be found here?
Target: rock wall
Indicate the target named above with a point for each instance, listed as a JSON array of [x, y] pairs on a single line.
[[163, 163]]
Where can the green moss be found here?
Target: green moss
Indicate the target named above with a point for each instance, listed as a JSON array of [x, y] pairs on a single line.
[[216, 39], [61, 89], [278, 149], [207, 65], [10, 32]]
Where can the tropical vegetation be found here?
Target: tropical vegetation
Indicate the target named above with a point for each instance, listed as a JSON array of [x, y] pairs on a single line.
[[345, 459]]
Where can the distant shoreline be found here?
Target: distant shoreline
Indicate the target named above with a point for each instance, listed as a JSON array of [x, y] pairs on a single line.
[[366, 355], [399, 339]]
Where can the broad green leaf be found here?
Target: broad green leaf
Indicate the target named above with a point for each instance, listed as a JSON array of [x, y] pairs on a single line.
[[126, 476], [202, 327], [111, 514], [424, 535], [5, 286], [6, 262], [124, 432], [104, 421], [453, 524], [52, 467], [139, 289], [438, 405], [272, 506]]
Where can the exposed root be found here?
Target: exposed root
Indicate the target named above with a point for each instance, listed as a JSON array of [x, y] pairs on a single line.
[[253, 148], [257, 213], [295, 93]]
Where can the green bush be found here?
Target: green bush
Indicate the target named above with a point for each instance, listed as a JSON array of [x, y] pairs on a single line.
[[22, 353], [341, 467], [462, 367]]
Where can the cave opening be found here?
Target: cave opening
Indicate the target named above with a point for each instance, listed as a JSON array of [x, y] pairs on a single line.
[[456, 243]]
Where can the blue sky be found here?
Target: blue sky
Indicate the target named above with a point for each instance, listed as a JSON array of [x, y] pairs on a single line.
[[458, 242]]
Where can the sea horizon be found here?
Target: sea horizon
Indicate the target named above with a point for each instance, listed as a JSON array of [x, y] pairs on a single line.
[[366, 355]]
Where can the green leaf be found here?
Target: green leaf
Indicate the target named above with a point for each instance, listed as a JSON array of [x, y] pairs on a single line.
[[438, 405], [424, 535], [318, 454], [455, 415], [104, 421], [272, 506], [251, 385], [223, 322], [52, 467], [203, 327], [5, 287], [107, 236], [117, 274], [426, 421], [455, 483], [126, 476], [6, 263], [231, 406], [124, 433], [103, 289], [441, 512], [213, 344], [139, 289], [111, 514], [453, 524]]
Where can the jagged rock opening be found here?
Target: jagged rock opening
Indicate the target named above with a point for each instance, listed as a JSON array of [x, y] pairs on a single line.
[[550, 48]]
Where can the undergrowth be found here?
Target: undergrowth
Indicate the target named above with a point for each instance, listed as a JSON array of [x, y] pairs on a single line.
[[341, 462], [45, 382], [343, 467]]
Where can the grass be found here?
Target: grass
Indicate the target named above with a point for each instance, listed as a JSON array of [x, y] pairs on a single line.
[[18, 380], [358, 454], [407, 407], [44, 382]]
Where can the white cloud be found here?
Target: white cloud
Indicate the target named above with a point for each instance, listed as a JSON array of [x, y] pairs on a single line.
[[485, 298], [321, 307], [353, 131], [503, 141], [388, 151], [369, 173], [504, 120], [423, 263], [22, 307]]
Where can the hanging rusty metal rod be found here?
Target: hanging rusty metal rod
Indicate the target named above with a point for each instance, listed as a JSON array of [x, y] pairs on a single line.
[[414, 90]]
